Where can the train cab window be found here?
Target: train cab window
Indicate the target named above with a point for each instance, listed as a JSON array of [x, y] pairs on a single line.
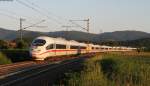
[[60, 46], [74, 47], [39, 42], [51, 46]]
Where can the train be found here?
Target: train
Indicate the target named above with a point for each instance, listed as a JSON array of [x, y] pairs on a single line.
[[45, 47]]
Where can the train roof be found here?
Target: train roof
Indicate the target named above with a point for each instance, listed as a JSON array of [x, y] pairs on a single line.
[[73, 42]]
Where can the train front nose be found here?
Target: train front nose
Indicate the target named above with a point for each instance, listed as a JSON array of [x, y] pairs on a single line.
[[37, 47], [35, 53]]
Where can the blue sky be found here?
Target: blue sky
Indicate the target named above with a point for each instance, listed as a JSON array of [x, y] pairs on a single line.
[[105, 15]]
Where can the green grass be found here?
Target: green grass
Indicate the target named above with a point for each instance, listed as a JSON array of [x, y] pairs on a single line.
[[113, 69], [4, 59], [91, 75], [126, 70]]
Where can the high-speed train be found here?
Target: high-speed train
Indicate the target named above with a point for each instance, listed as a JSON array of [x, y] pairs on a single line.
[[43, 47]]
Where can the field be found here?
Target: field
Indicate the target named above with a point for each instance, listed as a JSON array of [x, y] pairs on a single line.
[[112, 69]]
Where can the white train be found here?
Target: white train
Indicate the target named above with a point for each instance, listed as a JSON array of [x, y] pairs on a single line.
[[43, 47]]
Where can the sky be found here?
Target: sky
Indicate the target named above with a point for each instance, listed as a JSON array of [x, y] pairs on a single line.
[[104, 15]]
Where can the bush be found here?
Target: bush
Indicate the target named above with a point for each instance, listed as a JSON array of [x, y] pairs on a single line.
[[4, 59], [3, 45], [22, 45], [17, 55]]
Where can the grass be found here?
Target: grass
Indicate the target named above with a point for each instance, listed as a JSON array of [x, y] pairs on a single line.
[[112, 69], [4, 59], [126, 70], [91, 75]]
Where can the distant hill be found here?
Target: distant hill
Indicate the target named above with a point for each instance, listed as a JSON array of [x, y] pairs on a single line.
[[5, 33], [12, 34], [77, 35], [73, 35], [123, 35], [144, 42]]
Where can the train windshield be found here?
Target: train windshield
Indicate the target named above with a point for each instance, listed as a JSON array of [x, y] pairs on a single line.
[[39, 42]]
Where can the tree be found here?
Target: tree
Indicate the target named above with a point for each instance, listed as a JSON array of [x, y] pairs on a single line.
[[22, 44], [3, 44]]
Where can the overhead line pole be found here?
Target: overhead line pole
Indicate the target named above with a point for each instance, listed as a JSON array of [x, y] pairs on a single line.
[[88, 24], [22, 28], [21, 20], [88, 30], [87, 27]]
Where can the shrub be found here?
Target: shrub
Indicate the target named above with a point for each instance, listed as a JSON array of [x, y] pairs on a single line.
[[17, 55], [22, 45], [3, 45], [4, 59]]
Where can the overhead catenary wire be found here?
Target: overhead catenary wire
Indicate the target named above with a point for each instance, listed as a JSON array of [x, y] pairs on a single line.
[[38, 11], [46, 11], [8, 11], [14, 15], [34, 24], [10, 16]]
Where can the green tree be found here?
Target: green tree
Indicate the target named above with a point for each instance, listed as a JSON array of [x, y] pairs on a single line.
[[3, 45], [22, 44]]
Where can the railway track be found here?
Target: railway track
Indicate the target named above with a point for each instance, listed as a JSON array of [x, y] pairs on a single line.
[[6, 69], [10, 68], [31, 72], [15, 64]]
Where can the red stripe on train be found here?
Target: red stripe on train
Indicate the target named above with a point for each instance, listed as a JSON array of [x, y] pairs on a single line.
[[55, 51]]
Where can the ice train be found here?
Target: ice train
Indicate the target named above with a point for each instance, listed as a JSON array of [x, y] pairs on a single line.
[[43, 47]]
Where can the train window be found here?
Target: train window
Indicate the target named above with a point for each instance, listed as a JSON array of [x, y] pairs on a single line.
[[92, 48], [102, 48], [97, 48], [50, 46], [60, 46], [74, 47], [82, 47], [39, 42]]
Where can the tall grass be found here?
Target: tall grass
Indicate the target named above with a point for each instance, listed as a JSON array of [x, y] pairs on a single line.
[[126, 70], [4, 59], [91, 75], [112, 70]]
